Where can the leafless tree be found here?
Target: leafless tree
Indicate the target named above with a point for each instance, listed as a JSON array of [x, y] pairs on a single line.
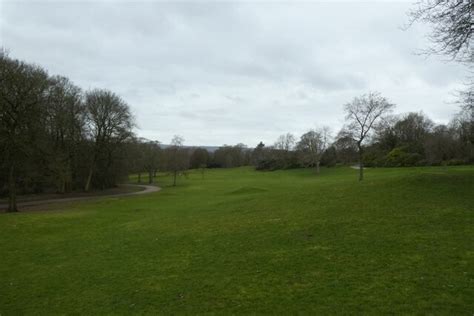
[[47, 133], [466, 97], [151, 153], [65, 125], [361, 115], [312, 145], [283, 149], [452, 23], [285, 142], [22, 93], [177, 157], [228, 156], [110, 123]]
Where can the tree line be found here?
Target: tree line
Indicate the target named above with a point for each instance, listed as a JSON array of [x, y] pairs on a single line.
[[371, 137], [56, 137], [410, 139]]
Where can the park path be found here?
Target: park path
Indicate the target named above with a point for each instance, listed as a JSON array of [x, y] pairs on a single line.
[[146, 189], [357, 167]]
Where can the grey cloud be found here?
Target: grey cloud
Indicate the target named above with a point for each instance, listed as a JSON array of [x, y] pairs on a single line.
[[230, 72]]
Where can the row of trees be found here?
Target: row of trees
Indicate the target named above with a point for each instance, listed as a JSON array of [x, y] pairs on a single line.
[[151, 157], [371, 137], [54, 136]]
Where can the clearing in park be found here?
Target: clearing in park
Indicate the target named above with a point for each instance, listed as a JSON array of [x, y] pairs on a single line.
[[241, 241]]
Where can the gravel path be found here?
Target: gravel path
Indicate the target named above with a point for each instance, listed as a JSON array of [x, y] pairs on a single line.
[[146, 189]]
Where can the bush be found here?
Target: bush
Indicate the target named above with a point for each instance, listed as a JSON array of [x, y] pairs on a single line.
[[398, 157], [329, 157], [456, 162], [269, 164]]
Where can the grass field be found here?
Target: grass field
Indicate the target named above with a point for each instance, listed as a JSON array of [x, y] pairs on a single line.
[[241, 241]]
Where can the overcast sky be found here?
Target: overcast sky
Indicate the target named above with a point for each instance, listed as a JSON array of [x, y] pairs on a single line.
[[229, 72]]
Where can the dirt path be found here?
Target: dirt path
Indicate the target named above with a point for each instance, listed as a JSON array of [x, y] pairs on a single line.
[[146, 189], [357, 167]]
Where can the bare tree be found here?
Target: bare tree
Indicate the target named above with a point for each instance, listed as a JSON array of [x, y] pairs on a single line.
[[151, 153], [452, 23], [110, 123], [47, 133], [285, 142], [22, 93], [466, 98], [361, 115], [177, 157], [65, 126], [199, 158], [135, 156], [312, 146], [346, 147], [228, 156], [284, 146]]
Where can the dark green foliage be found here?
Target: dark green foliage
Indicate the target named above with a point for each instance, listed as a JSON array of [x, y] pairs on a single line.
[[199, 158], [414, 140], [276, 159], [329, 158], [231, 156], [269, 164], [258, 154], [398, 157]]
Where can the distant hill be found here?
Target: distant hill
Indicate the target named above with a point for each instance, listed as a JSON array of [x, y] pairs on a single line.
[[210, 149]]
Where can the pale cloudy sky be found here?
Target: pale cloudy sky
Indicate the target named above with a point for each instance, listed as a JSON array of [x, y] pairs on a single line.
[[219, 72]]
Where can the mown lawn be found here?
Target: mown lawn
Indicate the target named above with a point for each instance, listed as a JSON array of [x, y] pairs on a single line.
[[240, 241]]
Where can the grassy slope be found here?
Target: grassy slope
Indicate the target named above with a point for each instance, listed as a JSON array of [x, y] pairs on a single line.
[[241, 241]]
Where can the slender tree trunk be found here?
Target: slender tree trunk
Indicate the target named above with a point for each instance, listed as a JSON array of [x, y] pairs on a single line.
[[89, 179], [317, 167], [150, 177], [361, 164], [68, 179], [91, 169], [175, 172], [12, 207], [139, 177], [62, 190]]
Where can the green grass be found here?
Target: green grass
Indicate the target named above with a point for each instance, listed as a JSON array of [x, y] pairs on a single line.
[[241, 241]]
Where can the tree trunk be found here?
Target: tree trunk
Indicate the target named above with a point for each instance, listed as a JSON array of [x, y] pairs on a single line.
[[12, 207], [150, 177], [317, 167], [62, 189], [91, 170], [174, 177], [361, 165], [89, 179], [139, 177]]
